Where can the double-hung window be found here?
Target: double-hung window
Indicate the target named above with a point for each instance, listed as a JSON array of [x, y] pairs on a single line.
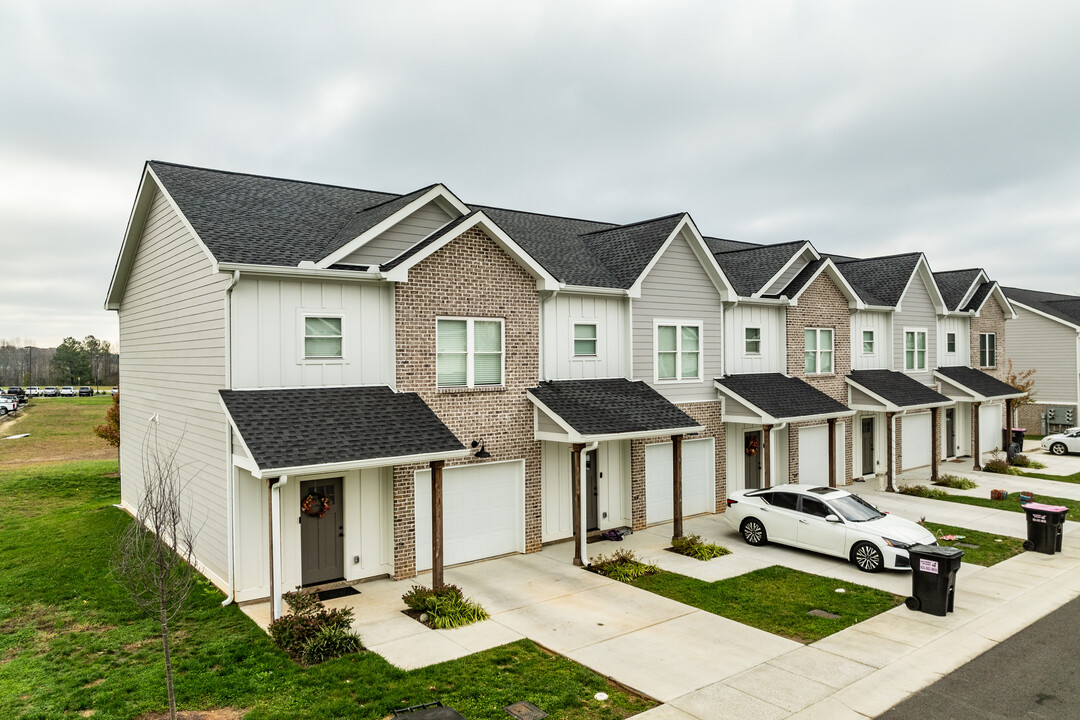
[[987, 350], [584, 339], [753, 341], [469, 352], [950, 342], [322, 337], [868, 342], [914, 349], [818, 350], [678, 352]]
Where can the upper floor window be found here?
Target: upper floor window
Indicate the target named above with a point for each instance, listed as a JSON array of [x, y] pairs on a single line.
[[584, 339], [914, 349], [868, 342], [469, 352], [322, 337], [818, 350], [678, 352], [753, 341], [950, 342], [987, 350]]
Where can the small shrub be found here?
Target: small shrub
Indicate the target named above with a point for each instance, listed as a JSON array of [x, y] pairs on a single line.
[[445, 608], [956, 482], [307, 618], [622, 565], [330, 642], [1024, 461], [998, 464], [924, 491], [693, 546]]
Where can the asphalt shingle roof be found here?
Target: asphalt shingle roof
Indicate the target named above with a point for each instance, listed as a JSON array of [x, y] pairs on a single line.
[[979, 296], [627, 249], [611, 406], [430, 239], [750, 268], [977, 381], [881, 280], [799, 282], [1062, 307], [364, 220], [321, 425], [899, 389], [781, 396], [954, 284]]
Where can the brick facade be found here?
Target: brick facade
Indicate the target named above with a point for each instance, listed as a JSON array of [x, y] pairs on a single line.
[[991, 319], [470, 277]]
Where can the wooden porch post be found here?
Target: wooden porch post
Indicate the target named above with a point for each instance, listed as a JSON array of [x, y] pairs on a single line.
[[437, 582], [832, 452], [575, 482], [976, 452], [890, 445], [270, 482], [935, 443], [766, 461], [1006, 432], [676, 485]]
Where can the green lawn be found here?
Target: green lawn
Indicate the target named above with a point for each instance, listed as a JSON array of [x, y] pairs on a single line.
[[71, 641], [1074, 478], [992, 548], [60, 429], [1012, 504], [776, 599]]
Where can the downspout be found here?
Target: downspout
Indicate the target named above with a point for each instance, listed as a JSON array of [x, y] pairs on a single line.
[[772, 452], [230, 470], [585, 503], [275, 545]]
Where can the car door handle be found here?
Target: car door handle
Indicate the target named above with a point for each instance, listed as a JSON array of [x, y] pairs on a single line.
[[802, 521]]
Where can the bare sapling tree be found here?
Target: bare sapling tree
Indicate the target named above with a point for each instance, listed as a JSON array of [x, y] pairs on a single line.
[[155, 555]]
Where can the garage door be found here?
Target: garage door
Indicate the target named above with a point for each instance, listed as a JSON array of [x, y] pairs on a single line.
[[991, 420], [814, 455], [915, 435], [698, 470], [483, 512]]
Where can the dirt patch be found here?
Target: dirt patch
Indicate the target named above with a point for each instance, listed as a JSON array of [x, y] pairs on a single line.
[[225, 713], [93, 683]]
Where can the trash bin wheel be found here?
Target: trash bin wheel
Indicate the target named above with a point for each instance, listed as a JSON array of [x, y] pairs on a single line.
[[1028, 545], [913, 603]]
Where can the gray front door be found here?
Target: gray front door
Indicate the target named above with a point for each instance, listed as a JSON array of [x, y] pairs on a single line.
[[591, 490], [752, 448], [868, 446], [950, 433], [322, 553]]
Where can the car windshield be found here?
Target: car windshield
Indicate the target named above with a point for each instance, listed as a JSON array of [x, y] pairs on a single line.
[[854, 509]]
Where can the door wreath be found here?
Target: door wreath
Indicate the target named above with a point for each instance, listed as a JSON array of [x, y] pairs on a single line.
[[316, 505], [751, 446]]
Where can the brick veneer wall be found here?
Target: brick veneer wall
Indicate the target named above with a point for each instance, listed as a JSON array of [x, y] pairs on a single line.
[[991, 319], [706, 414], [469, 277]]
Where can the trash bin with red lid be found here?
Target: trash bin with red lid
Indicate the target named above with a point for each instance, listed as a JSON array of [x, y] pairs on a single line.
[[1045, 526]]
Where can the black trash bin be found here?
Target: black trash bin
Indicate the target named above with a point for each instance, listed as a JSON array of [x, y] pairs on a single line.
[[933, 578], [1045, 525], [1018, 437]]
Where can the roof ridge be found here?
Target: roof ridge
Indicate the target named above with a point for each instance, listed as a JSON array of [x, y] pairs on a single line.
[[950, 272], [759, 247], [634, 224], [540, 214], [883, 257], [274, 177]]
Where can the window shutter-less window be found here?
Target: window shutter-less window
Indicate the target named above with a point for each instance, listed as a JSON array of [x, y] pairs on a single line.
[[452, 358], [690, 351], [322, 337], [810, 351], [584, 339], [666, 348], [487, 348]]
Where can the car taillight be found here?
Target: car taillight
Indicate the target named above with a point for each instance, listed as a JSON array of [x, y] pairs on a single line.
[[731, 502]]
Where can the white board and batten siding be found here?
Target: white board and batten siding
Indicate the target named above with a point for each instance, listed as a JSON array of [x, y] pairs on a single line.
[[172, 364], [1052, 349], [772, 357], [613, 488], [399, 238], [961, 327], [881, 357], [917, 313], [916, 446], [611, 316], [268, 333], [678, 289]]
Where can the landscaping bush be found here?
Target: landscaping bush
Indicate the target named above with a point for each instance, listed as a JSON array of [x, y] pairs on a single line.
[[622, 565], [1024, 461], [693, 546], [444, 608], [329, 642], [924, 491], [956, 482], [293, 632], [998, 464]]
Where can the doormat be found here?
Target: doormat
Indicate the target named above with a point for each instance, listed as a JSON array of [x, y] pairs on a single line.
[[325, 595]]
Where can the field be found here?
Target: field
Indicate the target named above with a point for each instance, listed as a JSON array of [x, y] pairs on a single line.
[[60, 429]]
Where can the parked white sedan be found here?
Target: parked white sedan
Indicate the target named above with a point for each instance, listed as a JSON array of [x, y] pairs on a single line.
[[826, 520], [1063, 443]]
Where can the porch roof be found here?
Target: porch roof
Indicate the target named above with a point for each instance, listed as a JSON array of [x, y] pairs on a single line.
[[966, 383], [891, 391], [330, 428], [606, 409], [772, 398]]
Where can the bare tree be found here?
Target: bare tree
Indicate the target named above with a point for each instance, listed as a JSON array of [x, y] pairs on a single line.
[[155, 555]]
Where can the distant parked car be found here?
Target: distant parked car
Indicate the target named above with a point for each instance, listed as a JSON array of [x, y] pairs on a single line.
[[17, 392], [8, 403], [51, 391], [1063, 443], [86, 391], [68, 391], [33, 391], [115, 390]]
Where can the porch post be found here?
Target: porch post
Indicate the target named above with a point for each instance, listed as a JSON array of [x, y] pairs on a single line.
[[766, 461], [832, 452], [1006, 432], [676, 487], [890, 444], [935, 443], [270, 482], [976, 452], [436, 525], [575, 483]]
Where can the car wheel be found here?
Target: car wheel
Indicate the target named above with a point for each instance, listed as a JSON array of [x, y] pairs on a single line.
[[753, 532], [3, 411], [1059, 449], [867, 557]]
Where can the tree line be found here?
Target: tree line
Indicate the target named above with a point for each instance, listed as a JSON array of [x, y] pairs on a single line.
[[74, 362]]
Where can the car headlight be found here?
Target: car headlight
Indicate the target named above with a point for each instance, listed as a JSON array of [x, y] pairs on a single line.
[[896, 543]]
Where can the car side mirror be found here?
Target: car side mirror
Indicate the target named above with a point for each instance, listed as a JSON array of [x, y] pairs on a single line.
[[832, 518]]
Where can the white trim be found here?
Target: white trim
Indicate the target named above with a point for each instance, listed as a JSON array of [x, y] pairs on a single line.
[[470, 352], [845, 288], [302, 314], [574, 322], [817, 352], [797, 255], [701, 251], [1046, 315], [361, 464], [862, 341], [758, 340], [679, 325], [589, 290], [980, 278], [764, 418], [304, 271], [887, 405], [925, 350], [573, 436], [972, 396]]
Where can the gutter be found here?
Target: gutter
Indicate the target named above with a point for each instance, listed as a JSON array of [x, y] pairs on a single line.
[[230, 470]]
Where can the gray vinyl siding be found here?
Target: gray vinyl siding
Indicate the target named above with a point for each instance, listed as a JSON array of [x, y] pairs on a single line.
[[787, 276], [679, 289], [172, 363], [917, 313], [402, 236], [1050, 348]]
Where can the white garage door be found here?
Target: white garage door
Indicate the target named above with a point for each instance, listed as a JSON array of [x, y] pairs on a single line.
[[814, 455], [698, 475], [483, 512], [991, 420], [915, 436]]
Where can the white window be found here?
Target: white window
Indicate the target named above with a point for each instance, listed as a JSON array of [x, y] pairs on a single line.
[[950, 342], [987, 350], [584, 339], [818, 350], [914, 349], [469, 352], [322, 337], [753, 341], [678, 352], [868, 342]]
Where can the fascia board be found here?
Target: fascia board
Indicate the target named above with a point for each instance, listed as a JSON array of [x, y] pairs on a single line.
[[1048, 316], [979, 279], [590, 290], [701, 252], [975, 396], [638, 434], [236, 430], [996, 291], [245, 463], [764, 417], [437, 192], [572, 435], [886, 405], [795, 256], [299, 273], [361, 464], [923, 269], [854, 301]]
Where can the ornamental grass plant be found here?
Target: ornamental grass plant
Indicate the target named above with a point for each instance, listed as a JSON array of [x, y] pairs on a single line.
[[621, 565], [956, 482], [694, 546], [924, 491], [443, 608]]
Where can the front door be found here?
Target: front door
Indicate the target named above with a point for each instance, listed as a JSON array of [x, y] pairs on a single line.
[[322, 553], [591, 491], [868, 446], [950, 432], [752, 450]]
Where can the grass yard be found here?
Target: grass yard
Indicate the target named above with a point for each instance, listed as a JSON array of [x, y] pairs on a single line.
[[72, 644], [776, 599], [1012, 504], [61, 429], [1074, 478], [992, 548]]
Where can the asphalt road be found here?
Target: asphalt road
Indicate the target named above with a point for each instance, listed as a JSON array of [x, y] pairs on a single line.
[[1033, 674]]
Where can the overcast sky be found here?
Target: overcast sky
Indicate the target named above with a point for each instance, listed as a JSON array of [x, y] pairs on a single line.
[[866, 128]]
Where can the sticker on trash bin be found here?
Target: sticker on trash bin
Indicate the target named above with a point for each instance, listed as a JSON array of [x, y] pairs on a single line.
[[928, 566], [1035, 517]]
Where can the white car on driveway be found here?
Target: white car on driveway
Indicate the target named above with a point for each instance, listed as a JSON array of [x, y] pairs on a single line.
[[1062, 443], [826, 520]]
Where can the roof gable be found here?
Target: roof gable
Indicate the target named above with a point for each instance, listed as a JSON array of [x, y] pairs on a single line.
[[751, 269], [1054, 306], [957, 286]]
